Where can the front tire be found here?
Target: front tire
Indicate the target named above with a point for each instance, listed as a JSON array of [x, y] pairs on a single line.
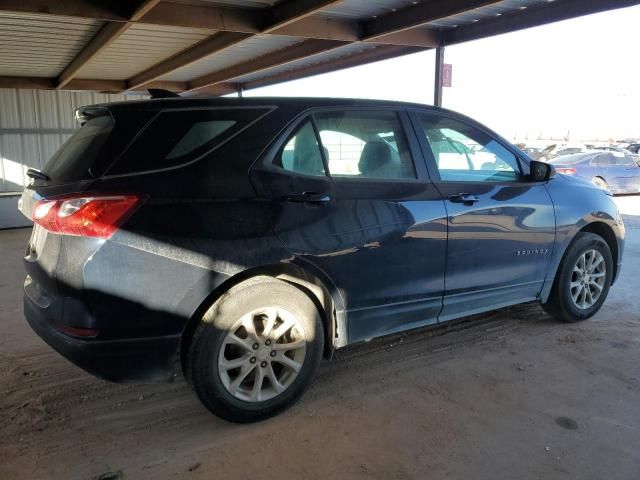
[[583, 279], [256, 350]]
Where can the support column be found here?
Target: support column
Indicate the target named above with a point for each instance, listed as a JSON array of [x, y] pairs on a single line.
[[239, 86], [437, 87]]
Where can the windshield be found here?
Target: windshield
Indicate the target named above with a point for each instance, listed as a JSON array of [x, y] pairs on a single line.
[[73, 161]]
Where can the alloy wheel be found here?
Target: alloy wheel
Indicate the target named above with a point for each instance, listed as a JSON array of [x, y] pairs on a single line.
[[588, 279], [262, 354]]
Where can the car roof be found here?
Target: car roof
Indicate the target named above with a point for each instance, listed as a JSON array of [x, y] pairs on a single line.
[[296, 102]]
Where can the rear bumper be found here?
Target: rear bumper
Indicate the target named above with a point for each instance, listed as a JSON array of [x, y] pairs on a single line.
[[124, 360]]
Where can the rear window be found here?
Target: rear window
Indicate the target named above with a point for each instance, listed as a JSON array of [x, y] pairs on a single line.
[[178, 137], [74, 160]]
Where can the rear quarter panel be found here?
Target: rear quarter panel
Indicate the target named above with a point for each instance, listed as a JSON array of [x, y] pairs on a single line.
[[199, 225]]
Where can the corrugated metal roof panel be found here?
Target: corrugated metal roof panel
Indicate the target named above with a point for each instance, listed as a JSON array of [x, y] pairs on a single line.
[[232, 3], [365, 9], [139, 48], [484, 13], [41, 45], [253, 47], [333, 54]]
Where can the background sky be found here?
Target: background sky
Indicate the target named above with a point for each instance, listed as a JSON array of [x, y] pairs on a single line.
[[579, 77]]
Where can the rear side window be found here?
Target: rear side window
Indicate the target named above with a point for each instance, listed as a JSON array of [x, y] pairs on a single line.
[[365, 144], [602, 160], [73, 161], [177, 137], [301, 153]]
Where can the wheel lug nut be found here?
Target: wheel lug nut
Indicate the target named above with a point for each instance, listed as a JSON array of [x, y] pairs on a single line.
[[273, 353], [268, 342], [252, 359], [255, 346], [263, 364]]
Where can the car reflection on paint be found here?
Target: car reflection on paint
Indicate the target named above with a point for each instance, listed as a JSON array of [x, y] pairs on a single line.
[[618, 173]]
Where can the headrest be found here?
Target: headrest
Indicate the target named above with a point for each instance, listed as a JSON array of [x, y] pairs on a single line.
[[374, 157]]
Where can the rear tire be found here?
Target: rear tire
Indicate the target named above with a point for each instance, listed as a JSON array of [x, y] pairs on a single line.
[[583, 279], [256, 351], [600, 182]]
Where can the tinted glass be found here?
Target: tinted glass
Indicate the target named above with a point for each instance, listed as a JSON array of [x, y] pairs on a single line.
[[625, 161], [178, 137], [73, 161], [301, 153], [602, 160], [365, 144], [464, 153]]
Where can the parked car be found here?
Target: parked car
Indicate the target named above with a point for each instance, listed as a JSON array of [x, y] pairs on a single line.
[[547, 153], [619, 174], [532, 152], [634, 148], [551, 151], [245, 239], [618, 151]]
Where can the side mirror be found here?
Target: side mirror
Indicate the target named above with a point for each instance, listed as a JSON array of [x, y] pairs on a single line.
[[541, 171]]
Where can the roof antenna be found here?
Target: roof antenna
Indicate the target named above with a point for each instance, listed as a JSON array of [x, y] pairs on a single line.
[[160, 93]]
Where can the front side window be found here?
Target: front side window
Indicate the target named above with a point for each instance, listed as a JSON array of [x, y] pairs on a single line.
[[365, 144], [464, 153], [625, 161]]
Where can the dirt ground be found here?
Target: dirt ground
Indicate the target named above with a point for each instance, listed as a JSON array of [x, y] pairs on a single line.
[[509, 395]]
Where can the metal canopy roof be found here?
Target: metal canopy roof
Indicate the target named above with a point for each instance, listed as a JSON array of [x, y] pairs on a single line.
[[214, 47]]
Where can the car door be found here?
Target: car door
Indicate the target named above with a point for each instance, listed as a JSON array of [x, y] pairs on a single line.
[[623, 174], [501, 226], [372, 222], [600, 166]]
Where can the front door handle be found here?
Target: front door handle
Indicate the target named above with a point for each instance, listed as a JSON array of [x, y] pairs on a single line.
[[309, 197], [464, 198]]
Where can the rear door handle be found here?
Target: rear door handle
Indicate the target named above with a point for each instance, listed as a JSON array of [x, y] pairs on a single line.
[[464, 198], [309, 197]]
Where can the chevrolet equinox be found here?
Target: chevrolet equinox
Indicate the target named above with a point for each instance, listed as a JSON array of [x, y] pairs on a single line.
[[244, 239]]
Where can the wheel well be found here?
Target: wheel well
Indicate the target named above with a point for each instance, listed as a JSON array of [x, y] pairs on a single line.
[[606, 232], [309, 284]]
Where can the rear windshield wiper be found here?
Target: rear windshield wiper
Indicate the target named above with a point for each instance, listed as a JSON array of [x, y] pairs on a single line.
[[37, 174]]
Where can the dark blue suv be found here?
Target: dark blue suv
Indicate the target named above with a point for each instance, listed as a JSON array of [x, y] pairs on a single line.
[[245, 239]]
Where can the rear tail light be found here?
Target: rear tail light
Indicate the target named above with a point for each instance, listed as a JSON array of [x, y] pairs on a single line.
[[566, 170], [89, 216]]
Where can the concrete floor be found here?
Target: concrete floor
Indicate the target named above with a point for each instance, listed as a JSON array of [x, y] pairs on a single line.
[[510, 395]]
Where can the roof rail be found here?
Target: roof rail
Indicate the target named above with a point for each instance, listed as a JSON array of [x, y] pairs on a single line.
[[160, 93]]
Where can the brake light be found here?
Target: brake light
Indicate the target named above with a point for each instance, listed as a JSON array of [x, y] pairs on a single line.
[[566, 170], [97, 217]]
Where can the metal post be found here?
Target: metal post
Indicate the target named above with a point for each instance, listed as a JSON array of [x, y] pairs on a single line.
[[239, 85], [437, 87]]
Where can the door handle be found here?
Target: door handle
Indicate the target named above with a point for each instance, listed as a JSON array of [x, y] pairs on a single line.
[[309, 197], [464, 198]]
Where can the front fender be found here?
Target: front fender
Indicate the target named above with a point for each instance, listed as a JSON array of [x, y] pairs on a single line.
[[581, 206]]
